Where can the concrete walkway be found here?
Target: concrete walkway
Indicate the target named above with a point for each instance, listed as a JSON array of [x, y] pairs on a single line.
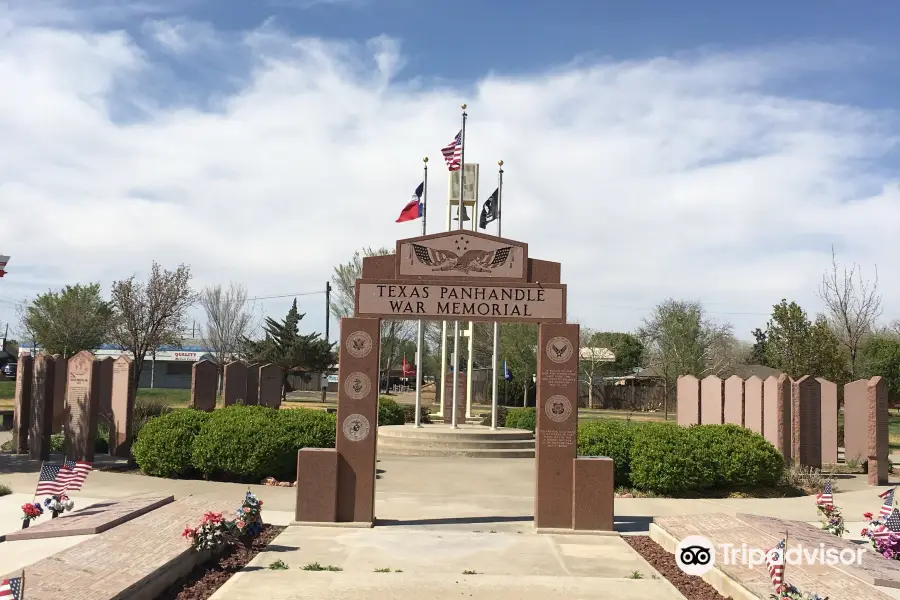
[[436, 516]]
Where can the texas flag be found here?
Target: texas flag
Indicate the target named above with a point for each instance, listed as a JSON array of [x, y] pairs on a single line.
[[413, 210]]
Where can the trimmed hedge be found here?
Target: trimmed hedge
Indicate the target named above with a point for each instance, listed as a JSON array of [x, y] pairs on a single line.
[[165, 444], [664, 458], [236, 443], [501, 417], [409, 414], [389, 412], [521, 418]]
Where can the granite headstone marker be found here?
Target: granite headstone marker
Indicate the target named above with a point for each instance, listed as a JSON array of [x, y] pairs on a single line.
[[234, 388], [122, 404], [270, 382], [712, 400], [777, 414], [22, 416], [42, 392], [557, 424], [59, 393], [829, 422], [252, 398], [104, 389], [806, 422], [688, 399], [734, 400], [204, 384], [81, 406], [753, 404]]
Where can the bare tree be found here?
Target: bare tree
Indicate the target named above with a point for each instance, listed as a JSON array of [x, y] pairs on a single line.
[[590, 360], [152, 314], [228, 321], [853, 305]]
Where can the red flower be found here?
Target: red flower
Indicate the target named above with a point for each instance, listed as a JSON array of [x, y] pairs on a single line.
[[864, 532], [867, 516], [188, 532]]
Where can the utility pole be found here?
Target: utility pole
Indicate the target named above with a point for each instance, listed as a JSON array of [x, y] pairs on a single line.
[[324, 384]]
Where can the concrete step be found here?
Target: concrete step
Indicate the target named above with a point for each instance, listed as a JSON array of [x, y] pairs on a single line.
[[476, 444], [425, 451], [443, 432]]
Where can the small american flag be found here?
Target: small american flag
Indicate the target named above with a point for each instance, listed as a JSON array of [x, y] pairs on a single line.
[[893, 521], [73, 473], [11, 589], [453, 153], [888, 507], [775, 563], [881, 533], [48, 481], [827, 495], [885, 493]]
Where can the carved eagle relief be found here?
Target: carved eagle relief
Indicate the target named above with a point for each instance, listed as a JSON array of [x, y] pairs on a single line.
[[559, 350], [478, 261]]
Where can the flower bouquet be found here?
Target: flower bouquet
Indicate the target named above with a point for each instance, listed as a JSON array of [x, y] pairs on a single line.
[[58, 503], [213, 532], [30, 512], [883, 540], [789, 592], [832, 519], [210, 534]]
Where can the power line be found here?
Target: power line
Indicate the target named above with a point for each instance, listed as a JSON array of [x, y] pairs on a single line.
[[287, 295]]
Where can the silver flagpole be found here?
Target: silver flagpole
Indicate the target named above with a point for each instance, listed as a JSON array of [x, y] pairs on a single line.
[[420, 338], [495, 383], [462, 187]]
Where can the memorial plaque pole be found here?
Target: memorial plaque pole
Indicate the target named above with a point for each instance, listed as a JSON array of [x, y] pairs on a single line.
[[357, 419], [557, 424]]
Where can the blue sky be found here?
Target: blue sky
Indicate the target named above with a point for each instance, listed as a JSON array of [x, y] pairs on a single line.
[[703, 150]]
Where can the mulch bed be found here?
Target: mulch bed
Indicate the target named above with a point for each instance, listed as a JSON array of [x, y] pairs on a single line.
[[693, 588], [205, 579]]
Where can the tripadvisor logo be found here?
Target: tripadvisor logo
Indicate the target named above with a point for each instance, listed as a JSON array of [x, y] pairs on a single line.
[[696, 555]]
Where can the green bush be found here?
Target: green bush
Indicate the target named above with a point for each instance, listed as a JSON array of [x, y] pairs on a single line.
[[409, 414], [609, 438], [666, 459], [521, 418], [389, 412], [840, 435], [5, 490], [249, 443], [101, 444], [164, 447], [146, 409], [743, 459], [501, 417]]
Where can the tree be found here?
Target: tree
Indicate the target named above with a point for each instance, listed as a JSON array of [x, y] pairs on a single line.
[[228, 321], [880, 355], [627, 348], [284, 346], [343, 304], [69, 321], [757, 354], [152, 314], [799, 347], [853, 305], [681, 340], [518, 347]]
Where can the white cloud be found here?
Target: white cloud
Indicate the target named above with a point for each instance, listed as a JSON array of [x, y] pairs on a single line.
[[684, 176], [181, 36]]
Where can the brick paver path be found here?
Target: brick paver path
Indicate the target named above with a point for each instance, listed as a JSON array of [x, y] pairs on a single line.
[[116, 564]]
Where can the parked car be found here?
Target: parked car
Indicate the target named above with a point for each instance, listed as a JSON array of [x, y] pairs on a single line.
[[9, 370]]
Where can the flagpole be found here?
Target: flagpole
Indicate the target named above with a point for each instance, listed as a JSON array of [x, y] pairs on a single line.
[[462, 188], [420, 336], [496, 356], [22, 586]]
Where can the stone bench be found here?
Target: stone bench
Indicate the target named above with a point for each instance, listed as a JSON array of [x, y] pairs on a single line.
[[136, 560]]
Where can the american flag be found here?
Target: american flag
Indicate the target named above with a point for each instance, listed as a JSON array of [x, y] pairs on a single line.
[[775, 563], [11, 589], [49, 482], [885, 493], [827, 495], [881, 532], [893, 521], [453, 152], [888, 507], [74, 473]]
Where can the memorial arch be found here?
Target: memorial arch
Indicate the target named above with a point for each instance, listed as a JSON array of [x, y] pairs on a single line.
[[455, 276]]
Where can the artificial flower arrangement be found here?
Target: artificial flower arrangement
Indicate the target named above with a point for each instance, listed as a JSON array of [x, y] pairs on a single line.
[[884, 541], [31, 511], [789, 592], [213, 531], [59, 503], [832, 519]]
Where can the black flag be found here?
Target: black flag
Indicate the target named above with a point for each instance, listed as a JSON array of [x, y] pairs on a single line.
[[489, 212]]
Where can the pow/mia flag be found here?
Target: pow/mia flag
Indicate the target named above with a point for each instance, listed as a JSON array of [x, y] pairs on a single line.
[[490, 211]]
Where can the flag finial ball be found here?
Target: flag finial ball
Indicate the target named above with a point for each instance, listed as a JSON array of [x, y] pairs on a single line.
[[425, 160], [464, 107], [500, 163]]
